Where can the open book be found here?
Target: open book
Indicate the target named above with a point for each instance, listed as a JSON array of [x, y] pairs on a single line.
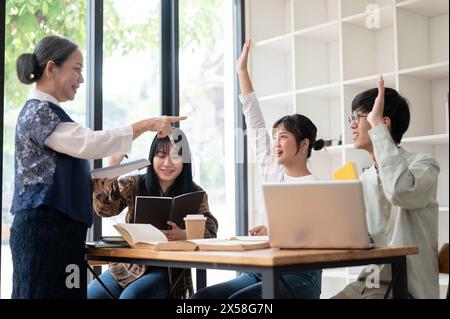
[[141, 235], [158, 210], [250, 238], [213, 244], [148, 236], [114, 171], [231, 244]]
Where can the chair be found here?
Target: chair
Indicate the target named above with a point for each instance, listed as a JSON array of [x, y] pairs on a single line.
[[443, 260]]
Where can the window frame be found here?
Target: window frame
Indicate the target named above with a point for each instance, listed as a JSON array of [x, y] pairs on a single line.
[[2, 110]]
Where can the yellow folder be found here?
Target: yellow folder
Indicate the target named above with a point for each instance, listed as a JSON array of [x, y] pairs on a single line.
[[346, 172]]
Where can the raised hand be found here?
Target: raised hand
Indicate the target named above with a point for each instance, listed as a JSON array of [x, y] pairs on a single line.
[[375, 117], [242, 61], [241, 68], [163, 124]]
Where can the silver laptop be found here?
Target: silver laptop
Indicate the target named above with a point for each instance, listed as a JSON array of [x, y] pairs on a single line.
[[316, 215]]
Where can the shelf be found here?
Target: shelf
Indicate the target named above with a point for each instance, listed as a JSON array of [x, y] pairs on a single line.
[[368, 51], [328, 32], [360, 157], [325, 52], [416, 27], [314, 107], [331, 150], [270, 18], [326, 91], [285, 96], [317, 56], [281, 44], [323, 164], [271, 65], [425, 8], [386, 19], [308, 13], [275, 106], [351, 8], [369, 82], [336, 149], [435, 71], [429, 111], [437, 139]]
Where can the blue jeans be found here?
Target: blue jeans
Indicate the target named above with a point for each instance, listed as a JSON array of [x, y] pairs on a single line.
[[152, 285], [305, 285]]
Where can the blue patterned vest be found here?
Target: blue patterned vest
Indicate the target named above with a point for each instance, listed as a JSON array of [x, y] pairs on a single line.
[[44, 177]]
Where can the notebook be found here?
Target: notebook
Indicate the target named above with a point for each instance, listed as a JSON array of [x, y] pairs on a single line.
[[158, 210]]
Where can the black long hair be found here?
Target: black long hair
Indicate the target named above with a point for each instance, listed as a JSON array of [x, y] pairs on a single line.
[[301, 127], [149, 182]]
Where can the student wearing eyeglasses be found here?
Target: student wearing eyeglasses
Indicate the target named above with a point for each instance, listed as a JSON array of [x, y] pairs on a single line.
[[283, 160], [399, 193]]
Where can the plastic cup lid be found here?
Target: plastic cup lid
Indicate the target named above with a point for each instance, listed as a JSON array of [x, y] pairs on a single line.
[[194, 217]]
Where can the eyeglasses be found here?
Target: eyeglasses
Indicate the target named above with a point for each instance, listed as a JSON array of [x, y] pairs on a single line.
[[355, 118]]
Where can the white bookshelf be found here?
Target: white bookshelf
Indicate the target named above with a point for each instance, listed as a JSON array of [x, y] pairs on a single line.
[[313, 56]]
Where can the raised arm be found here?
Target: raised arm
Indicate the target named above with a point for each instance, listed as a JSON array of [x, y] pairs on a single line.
[[403, 183], [242, 69], [256, 127], [162, 125]]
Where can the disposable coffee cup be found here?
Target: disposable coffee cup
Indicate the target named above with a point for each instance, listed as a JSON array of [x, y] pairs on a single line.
[[195, 226]]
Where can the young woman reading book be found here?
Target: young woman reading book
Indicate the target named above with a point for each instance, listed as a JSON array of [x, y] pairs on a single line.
[[293, 140], [169, 175]]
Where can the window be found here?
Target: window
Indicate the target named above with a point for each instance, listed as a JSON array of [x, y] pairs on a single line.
[[131, 73], [206, 76]]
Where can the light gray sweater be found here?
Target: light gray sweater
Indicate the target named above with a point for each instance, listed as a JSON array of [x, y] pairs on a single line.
[[400, 198]]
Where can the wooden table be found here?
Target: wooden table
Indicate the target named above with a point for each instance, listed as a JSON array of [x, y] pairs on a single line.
[[270, 263]]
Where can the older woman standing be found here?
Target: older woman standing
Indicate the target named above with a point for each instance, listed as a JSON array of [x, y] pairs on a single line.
[[52, 200]]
